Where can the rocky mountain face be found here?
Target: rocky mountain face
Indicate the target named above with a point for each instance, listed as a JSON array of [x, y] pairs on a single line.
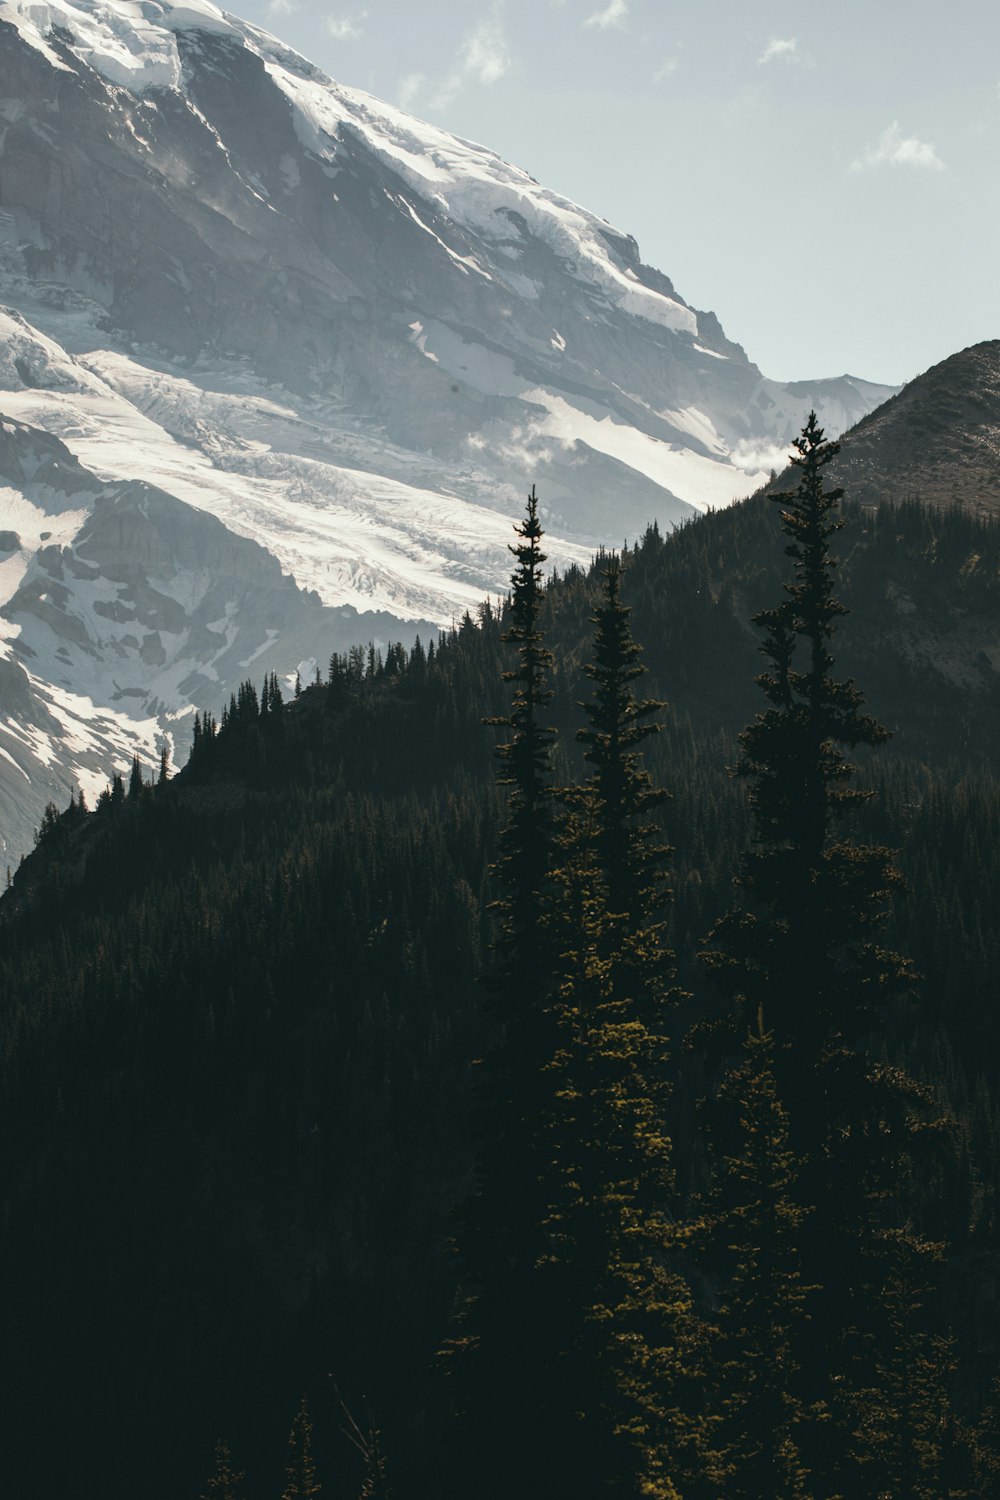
[[277, 364], [937, 440]]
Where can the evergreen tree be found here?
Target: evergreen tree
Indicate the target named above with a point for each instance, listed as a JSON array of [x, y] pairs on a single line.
[[629, 852], [610, 1220], [503, 1387], [803, 958], [758, 1416], [367, 1442], [135, 781], [224, 1482], [906, 1440], [49, 824], [523, 867], [300, 1471], [803, 955]]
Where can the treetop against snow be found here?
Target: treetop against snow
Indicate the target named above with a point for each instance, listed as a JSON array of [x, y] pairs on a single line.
[[133, 44]]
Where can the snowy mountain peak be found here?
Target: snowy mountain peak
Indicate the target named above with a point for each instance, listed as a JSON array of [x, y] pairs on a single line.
[[263, 315], [136, 45], [131, 43]]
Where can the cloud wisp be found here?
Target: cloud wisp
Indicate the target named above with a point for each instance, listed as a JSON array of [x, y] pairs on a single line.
[[344, 28], [893, 149], [409, 88], [278, 8], [613, 14], [483, 58], [782, 49]]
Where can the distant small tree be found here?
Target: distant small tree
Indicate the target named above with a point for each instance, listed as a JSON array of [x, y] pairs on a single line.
[[49, 823], [300, 1471], [224, 1482], [135, 781], [367, 1441]]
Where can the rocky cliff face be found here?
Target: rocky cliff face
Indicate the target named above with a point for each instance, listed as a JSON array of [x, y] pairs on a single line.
[[303, 355]]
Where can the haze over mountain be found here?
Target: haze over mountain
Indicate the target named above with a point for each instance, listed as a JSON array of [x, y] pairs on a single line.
[[277, 363]]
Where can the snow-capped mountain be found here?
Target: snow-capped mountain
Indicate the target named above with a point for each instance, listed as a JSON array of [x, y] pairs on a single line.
[[277, 365]]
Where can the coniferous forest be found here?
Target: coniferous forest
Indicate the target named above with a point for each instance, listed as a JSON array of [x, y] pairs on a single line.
[[556, 1060]]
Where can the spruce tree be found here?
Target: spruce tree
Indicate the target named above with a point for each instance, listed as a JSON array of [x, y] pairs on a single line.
[[802, 959], [629, 852], [758, 1416], [523, 867], [300, 1471], [135, 781], [498, 1352], [610, 1221], [803, 953], [906, 1440], [224, 1482], [367, 1442]]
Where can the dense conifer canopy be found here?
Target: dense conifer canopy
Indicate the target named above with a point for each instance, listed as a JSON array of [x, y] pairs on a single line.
[[256, 1023]]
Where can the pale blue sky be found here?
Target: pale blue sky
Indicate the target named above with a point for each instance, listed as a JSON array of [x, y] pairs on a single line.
[[825, 177]]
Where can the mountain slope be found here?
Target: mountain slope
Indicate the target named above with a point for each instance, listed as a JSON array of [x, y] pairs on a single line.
[[937, 440], [348, 336]]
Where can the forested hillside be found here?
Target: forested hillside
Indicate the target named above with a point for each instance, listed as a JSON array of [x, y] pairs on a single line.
[[333, 1069]]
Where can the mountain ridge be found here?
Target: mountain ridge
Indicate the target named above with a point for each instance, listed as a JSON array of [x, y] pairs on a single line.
[[937, 439]]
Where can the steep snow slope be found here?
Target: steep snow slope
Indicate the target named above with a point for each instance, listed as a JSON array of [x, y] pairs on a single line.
[[238, 292]]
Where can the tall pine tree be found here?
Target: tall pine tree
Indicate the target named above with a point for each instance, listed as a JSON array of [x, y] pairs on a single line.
[[801, 958], [300, 1471], [498, 1355], [610, 1221]]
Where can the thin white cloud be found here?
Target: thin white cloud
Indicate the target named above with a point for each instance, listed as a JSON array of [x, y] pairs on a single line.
[[784, 48], [344, 28], [666, 69], [483, 58], [613, 14], [278, 8], [409, 88], [893, 149]]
